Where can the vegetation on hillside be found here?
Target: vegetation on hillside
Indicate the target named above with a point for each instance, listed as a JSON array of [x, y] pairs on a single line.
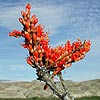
[[36, 98]]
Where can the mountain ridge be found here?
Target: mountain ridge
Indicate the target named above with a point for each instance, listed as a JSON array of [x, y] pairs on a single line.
[[35, 89]]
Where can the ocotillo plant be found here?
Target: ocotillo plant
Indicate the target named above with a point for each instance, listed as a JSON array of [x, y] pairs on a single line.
[[45, 58]]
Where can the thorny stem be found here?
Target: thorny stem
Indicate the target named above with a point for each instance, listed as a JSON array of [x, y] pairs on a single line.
[[44, 76]]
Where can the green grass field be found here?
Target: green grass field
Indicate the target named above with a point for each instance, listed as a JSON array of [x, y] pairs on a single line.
[[36, 98]]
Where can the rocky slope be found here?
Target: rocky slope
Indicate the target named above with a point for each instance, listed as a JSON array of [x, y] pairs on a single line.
[[35, 88]]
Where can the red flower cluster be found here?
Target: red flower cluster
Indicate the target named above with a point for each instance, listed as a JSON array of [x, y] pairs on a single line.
[[37, 43]]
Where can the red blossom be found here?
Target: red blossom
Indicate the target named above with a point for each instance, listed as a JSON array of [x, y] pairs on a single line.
[[37, 43]]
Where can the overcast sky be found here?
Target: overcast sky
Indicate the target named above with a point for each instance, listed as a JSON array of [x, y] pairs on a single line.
[[66, 20]]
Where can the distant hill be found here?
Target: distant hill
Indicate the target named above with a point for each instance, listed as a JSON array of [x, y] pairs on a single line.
[[3, 81], [35, 89]]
